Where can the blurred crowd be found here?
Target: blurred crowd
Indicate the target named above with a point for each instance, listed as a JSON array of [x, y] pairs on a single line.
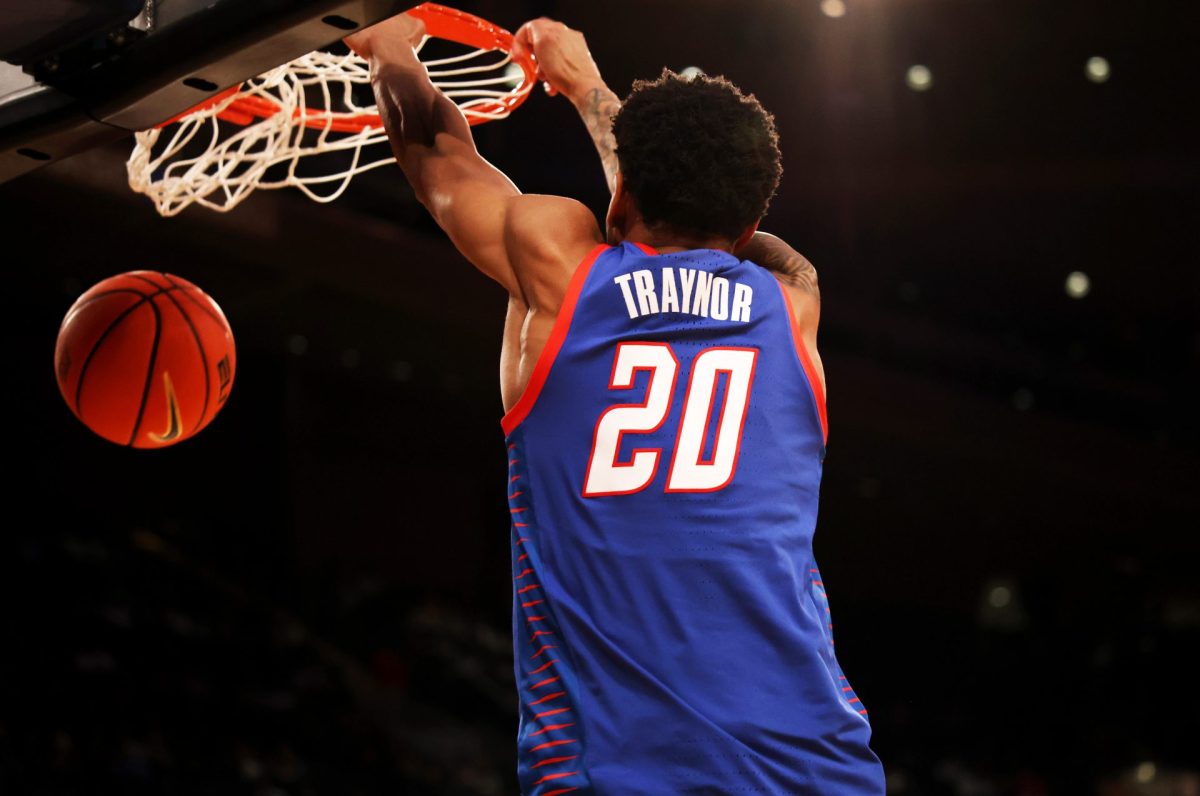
[[132, 667]]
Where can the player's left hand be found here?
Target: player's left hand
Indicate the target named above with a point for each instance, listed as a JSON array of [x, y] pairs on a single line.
[[399, 28], [564, 63]]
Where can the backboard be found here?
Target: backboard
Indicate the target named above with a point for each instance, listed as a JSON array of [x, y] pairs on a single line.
[[75, 76]]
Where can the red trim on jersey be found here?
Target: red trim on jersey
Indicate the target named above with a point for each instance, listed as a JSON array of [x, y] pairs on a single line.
[[806, 362], [650, 250], [712, 399], [541, 370]]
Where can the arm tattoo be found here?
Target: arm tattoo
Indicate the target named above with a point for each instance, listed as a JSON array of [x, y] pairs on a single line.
[[776, 256], [598, 114]]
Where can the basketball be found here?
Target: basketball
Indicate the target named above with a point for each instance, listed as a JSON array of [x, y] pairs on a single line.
[[145, 359]]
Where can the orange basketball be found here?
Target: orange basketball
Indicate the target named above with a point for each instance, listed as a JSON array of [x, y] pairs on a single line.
[[145, 359]]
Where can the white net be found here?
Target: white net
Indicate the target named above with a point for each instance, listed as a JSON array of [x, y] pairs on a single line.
[[265, 135]]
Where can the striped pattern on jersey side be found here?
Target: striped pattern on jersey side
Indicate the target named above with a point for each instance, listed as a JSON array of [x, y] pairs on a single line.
[[551, 746], [822, 600]]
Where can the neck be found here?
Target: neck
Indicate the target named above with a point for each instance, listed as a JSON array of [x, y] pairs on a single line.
[[668, 241]]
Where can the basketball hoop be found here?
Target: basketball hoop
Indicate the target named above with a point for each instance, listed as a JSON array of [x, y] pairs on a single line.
[[263, 133]]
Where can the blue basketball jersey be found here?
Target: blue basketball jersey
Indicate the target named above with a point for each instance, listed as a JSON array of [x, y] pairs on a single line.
[[671, 629]]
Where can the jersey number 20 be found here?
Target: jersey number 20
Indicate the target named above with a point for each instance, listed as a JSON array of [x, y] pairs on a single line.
[[690, 469]]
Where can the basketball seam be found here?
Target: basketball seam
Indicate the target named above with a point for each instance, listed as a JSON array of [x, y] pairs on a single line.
[[87, 361], [150, 281], [79, 305], [95, 346], [206, 310]]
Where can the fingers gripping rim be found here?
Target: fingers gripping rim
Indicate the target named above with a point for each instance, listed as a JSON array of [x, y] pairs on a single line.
[[449, 23]]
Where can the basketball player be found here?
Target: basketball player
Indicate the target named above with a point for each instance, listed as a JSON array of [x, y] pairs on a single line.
[[665, 424]]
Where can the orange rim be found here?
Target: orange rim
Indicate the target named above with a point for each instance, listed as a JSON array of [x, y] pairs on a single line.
[[440, 22]]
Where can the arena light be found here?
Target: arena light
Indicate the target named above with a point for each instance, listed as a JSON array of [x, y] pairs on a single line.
[[691, 72], [1097, 69], [297, 344], [401, 370], [833, 8], [1000, 605], [1022, 399], [1078, 284], [1146, 772], [919, 77]]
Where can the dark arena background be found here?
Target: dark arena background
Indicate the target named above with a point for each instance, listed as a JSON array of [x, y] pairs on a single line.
[[312, 597]]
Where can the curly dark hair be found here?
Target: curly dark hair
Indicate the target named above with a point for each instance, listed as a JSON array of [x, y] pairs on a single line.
[[697, 155]]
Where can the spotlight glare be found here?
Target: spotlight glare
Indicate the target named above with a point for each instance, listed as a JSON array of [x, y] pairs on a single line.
[[1097, 69], [1000, 597], [691, 72], [513, 76], [1078, 284], [919, 78], [833, 8], [1146, 772]]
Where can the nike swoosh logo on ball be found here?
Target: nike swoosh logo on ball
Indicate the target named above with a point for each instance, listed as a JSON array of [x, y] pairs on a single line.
[[175, 424]]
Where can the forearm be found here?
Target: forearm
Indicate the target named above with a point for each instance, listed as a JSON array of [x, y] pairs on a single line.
[[422, 123], [773, 254], [597, 105]]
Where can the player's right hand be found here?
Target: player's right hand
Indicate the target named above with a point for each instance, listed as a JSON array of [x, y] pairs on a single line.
[[401, 28], [565, 64]]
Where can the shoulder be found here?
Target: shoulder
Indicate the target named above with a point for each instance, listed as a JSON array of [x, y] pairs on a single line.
[[535, 220], [546, 238]]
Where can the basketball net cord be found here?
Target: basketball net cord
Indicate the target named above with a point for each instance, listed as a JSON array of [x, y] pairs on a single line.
[[280, 129]]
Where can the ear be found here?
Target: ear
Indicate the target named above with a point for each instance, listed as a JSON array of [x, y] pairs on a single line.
[[745, 237], [618, 212]]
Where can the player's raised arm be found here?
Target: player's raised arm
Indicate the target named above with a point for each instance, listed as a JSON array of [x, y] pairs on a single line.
[[799, 280], [474, 202], [567, 67]]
